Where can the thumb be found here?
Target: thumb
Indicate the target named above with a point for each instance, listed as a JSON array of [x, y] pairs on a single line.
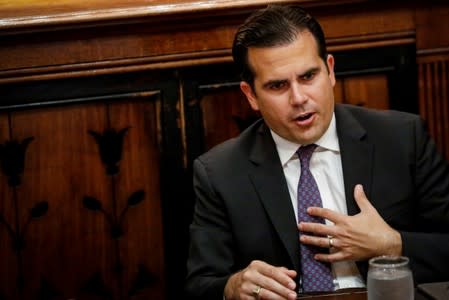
[[361, 199]]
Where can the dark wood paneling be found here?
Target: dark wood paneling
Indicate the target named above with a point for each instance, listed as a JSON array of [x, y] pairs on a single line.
[[434, 97], [364, 90], [69, 245], [9, 260], [362, 71], [70, 251], [432, 26], [226, 113]]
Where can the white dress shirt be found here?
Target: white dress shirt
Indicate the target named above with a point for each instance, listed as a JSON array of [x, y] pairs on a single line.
[[326, 168]]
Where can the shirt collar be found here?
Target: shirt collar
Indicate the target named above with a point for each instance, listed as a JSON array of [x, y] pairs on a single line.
[[287, 149]]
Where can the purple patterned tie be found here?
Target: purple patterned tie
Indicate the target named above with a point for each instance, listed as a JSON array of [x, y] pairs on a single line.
[[316, 276]]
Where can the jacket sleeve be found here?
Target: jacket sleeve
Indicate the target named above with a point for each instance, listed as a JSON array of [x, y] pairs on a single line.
[[428, 249], [210, 255]]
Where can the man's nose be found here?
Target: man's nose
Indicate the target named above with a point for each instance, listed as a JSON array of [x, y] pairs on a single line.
[[297, 94]]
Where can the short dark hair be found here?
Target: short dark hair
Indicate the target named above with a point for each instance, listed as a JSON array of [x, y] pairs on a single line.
[[273, 26]]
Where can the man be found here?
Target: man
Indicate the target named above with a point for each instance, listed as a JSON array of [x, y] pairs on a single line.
[[383, 188]]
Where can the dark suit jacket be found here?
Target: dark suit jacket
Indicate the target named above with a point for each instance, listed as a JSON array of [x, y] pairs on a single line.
[[243, 209]]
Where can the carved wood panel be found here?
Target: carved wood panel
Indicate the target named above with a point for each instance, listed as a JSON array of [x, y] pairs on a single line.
[[8, 258], [83, 218]]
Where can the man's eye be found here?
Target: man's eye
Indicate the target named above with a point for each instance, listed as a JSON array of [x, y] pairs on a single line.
[[308, 76], [277, 85]]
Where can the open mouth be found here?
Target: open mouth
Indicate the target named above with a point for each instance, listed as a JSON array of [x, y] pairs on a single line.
[[304, 117]]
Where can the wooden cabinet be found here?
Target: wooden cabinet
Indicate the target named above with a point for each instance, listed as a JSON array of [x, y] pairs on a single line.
[[104, 105]]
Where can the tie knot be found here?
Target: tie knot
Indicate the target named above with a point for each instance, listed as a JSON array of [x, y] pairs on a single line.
[[305, 153]]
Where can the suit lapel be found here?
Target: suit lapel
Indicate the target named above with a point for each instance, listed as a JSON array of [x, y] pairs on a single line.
[[269, 181], [356, 155]]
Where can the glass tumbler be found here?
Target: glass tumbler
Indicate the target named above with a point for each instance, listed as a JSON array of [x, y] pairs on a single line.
[[390, 278]]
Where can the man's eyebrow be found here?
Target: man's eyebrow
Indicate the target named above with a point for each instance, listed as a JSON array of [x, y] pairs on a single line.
[[279, 81], [273, 82], [311, 70]]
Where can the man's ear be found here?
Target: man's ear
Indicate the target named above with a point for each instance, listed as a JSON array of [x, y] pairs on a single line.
[[250, 96], [330, 66]]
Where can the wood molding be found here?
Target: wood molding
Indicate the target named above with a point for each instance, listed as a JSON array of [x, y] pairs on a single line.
[[432, 52], [32, 16], [183, 60], [116, 66], [69, 49], [371, 41]]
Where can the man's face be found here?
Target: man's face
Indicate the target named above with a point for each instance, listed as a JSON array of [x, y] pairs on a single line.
[[293, 89]]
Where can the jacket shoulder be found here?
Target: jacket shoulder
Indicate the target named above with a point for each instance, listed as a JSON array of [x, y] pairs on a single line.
[[377, 115]]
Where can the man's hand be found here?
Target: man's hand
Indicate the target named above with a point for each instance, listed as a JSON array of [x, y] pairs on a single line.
[[354, 238], [275, 283]]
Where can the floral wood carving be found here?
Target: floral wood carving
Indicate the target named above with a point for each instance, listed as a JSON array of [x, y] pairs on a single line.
[[110, 145], [12, 165]]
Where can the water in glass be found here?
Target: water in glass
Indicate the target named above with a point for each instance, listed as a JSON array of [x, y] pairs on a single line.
[[390, 278]]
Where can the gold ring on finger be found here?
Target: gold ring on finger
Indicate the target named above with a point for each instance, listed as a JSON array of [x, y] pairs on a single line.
[[256, 291]]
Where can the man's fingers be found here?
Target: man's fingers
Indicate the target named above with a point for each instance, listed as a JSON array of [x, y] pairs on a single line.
[[325, 213], [280, 277], [317, 228], [276, 282], [322, 242], [275, 288], [267, 294], [262, 280], [361, 199], [333, 257]]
